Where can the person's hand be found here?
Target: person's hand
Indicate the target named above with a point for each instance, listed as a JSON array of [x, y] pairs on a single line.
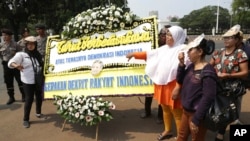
[[19, 67], [194, 128], [176, 93], [223, 75], [129, 56], [181, 57]]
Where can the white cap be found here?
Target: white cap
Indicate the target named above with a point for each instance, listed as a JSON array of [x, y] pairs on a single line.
[[30, 39], [232, 31]]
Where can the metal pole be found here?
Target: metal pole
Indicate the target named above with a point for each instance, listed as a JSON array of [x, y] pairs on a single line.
[[231, 20], [217, 19]]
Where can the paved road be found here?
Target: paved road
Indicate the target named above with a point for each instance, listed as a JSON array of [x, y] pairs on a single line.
[[126, 125]]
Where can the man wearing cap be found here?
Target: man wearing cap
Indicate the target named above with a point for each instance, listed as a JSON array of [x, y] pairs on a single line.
[[24, 33], [7, 50], [41, 38]]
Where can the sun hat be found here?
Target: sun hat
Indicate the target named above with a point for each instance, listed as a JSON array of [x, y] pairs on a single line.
[[30, 39], [207, 46], [195, 42], [232, 31]]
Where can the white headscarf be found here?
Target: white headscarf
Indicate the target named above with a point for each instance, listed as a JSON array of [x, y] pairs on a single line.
[[162, 62]]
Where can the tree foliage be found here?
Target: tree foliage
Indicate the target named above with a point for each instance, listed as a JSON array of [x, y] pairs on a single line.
[[241, 12], [16, 14], [204, 20]]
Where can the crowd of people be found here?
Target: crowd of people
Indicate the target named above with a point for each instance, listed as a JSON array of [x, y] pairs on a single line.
[[183, 96], [178, 86], [21, 60]]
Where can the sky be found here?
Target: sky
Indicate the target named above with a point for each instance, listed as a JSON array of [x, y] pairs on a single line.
[[172, 8]]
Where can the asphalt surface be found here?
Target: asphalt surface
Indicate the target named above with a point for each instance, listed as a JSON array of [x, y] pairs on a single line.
[[126, 125]]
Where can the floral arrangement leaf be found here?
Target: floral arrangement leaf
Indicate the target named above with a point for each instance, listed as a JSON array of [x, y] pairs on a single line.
[[84, 110], [98, 19]]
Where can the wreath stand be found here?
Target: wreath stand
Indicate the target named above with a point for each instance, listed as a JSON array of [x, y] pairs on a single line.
[[96, 131]]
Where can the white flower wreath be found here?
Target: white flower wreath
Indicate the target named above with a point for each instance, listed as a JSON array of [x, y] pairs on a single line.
[[97, 20], [83, 110]]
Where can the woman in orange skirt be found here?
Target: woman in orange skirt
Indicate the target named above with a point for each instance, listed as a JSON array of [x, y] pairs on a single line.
[[161, 67]]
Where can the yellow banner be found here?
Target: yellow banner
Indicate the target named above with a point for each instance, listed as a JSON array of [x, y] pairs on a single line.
[[96, 64]]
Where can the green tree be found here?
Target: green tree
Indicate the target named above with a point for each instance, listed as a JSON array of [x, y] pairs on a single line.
[[241, 13], [53, 13], [204, 20]]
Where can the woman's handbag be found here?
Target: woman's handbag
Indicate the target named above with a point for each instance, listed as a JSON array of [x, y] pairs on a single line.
[[223, 110], [38, 75], [39, 79], [234, 87], [221, 113]]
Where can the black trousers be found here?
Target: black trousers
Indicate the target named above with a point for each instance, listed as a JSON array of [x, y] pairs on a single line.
[[148, 102], [9, 75], [30, 90]]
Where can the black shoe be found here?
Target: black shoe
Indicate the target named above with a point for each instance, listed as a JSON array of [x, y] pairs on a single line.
[[145, 115], [161, 137], [26, 124], [10, 101]]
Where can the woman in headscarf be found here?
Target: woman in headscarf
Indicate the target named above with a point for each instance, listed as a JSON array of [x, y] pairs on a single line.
[[29, 62], [161, 67]]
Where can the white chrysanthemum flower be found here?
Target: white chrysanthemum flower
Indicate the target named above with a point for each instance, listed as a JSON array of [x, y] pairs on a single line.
[[81, 117], [81, 110], [116, 20], [119, 9], [59, 102], [95, 107], [69, 104], [112, 7], [105, 12], [117, 14], [65, 106], [79, 106], [70, 109], [128, 19], [94, 22], [80, 19], [75, 31], [93, 15], [99, 22], [90, 104], [77, 115]]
